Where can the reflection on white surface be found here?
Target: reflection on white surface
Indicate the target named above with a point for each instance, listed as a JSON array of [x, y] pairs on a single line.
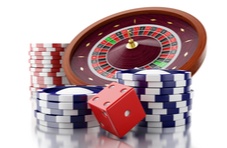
[[98, 138]]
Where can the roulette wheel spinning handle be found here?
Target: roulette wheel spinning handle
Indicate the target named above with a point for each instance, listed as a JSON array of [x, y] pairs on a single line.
[[131, 43]]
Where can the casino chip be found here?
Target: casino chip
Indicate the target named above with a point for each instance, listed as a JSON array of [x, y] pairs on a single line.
[[62, 80], [45, 61], [163, 118], [48, 45], [166, 123], [46, 65], [161, 91], [164, 84], [56, 57], [46, 70], [161, 105], [44, 85], [157, 75], [63, 119], [62, 105], [165, 95], [41, 49], [69, 93], [169, 111], [46, 53], [62, 112], [49, 74], [167, 98]]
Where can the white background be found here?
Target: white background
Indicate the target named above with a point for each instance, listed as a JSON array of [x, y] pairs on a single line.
[[22, 22]]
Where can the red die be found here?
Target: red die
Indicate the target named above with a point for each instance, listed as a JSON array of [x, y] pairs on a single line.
[[117, 108]]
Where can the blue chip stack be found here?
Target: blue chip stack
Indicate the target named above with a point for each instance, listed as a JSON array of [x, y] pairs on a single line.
[[165, 95], [65, 107]]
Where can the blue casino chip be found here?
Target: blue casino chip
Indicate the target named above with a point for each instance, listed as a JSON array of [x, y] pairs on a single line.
[[163, 84], [161, 91], [68, 93], [63, 112], [63, 119], [166, 123], [169, 111], [62, 105], [157, 75], [164, 118], [166, 105], [167, 98]]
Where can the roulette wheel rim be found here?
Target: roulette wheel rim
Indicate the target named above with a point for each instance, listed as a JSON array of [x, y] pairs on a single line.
[[192, 65]]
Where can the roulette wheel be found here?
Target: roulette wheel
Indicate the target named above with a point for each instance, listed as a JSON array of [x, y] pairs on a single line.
[[142, 38]]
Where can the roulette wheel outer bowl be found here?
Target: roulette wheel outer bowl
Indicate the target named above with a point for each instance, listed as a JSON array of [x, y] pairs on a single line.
[[193, 64]]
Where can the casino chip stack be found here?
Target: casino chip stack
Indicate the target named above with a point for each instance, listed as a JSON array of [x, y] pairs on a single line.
[[165, 95], [65, 107], [46, 66]]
